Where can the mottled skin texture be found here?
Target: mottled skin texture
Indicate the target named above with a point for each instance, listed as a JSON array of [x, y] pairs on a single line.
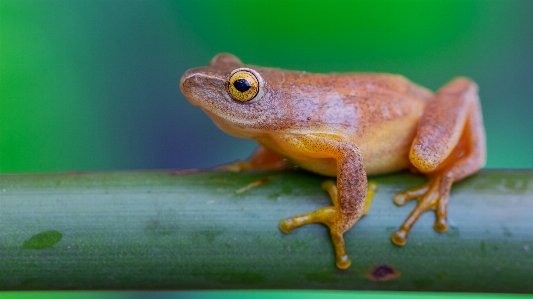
[[349, 126]]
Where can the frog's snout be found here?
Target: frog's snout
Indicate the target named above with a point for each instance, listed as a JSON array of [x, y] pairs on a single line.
[[201, 89], [187, 80], [190, 83]]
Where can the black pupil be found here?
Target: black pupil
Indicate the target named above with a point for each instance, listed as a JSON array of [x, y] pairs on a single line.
[[242, 85]]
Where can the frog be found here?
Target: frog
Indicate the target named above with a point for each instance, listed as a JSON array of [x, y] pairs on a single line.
[[346, 126]]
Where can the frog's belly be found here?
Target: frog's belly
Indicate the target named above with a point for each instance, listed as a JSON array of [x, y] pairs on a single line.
[[385, 150], [379, 161], [388, 150]]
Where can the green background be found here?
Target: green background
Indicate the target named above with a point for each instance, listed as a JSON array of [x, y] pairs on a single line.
[[94, 85]]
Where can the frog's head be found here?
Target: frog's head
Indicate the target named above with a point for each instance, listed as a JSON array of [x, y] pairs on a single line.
[[239, 98]]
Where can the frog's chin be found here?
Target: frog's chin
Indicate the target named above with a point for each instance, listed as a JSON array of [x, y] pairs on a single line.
[[232, 126]]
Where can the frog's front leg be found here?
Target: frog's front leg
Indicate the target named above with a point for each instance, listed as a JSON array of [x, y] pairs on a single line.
[[262, 158], [449, 146], [348, 196]]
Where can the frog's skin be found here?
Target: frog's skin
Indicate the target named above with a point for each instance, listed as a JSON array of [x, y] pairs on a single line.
[[346, 126]]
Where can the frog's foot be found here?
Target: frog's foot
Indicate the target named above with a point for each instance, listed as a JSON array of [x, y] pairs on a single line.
[[432, 195], [332, 216]]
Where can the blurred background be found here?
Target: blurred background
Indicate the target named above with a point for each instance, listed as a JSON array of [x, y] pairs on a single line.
[[94, 85]]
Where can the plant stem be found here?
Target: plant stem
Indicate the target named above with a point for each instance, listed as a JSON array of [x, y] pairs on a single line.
[[218, 230]]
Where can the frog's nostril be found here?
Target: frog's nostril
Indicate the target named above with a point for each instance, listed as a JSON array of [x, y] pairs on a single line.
[[189, 80], [196, 80]]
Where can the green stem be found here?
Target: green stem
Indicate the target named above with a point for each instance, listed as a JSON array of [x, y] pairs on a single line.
[[213, 230]]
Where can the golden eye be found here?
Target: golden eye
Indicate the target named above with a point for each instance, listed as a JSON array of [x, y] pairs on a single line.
[[245, 85]]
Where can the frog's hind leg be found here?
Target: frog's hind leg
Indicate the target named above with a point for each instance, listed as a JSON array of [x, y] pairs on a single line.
[[449, 146]]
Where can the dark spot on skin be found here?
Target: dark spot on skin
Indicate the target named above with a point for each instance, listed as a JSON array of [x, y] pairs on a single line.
[[308, 118], [383, 272], [242, 85]]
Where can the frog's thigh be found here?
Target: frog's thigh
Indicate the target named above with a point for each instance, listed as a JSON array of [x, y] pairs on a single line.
[[348, 196], [443, 123], [453, 114], [466, 157], [469, 159]]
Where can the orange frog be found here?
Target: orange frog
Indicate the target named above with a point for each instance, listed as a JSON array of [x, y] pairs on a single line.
[[346, 126]]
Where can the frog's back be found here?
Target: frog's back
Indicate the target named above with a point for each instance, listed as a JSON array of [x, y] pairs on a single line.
[[357, 102], [385, 95], [390, 84], [378, 113]]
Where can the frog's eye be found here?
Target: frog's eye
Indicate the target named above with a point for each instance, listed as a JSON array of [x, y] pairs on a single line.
[[245, 85]]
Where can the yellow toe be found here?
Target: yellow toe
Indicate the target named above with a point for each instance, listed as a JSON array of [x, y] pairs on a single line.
[[286, 225], [399, 238]]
